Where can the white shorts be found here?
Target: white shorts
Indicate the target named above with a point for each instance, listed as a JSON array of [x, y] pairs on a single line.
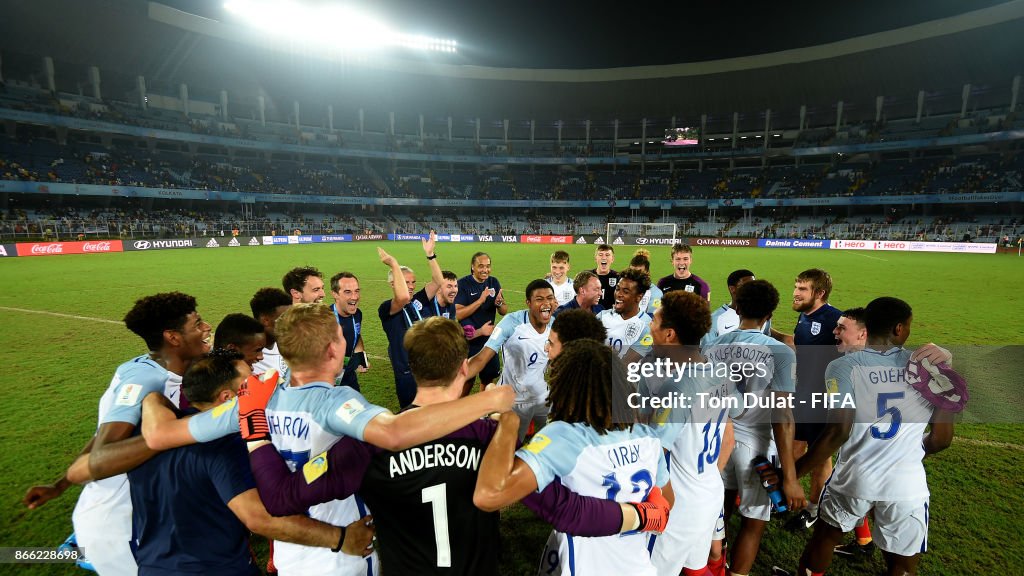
[[105, 533], [535, 411], [739, 475], [686, 541], [899, 527]]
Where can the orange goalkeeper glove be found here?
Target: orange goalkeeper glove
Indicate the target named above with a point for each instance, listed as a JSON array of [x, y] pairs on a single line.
[[253, 396], [653, 512]]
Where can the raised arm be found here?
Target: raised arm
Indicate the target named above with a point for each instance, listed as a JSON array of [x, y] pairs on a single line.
[[479, 361], [400, 291], [436, 279]]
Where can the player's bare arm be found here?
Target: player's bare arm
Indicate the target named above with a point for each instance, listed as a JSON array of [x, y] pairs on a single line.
[[503, 479], [116, 451], [834, 435], [301, 529], [398, 432], [784, 427], [161, 427], [500, 303], [728, 444], [479, 361], [940, 436], [463, 311]]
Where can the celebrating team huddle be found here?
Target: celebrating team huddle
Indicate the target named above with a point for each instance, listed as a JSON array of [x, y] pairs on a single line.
[[624, 412]]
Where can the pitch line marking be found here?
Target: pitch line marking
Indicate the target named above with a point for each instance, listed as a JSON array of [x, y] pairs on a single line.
[[61, 315], [105, 321]]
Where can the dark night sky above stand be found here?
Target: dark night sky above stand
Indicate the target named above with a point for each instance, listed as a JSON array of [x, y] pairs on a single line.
[[574, 34]]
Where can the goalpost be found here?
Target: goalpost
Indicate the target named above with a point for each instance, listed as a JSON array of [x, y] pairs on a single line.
[[635, 229]]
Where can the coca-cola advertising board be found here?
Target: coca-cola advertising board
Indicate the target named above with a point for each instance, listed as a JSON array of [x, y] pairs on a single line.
[[59, 248]]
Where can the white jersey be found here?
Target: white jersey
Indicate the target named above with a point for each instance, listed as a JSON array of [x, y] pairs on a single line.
[[760, 366], [624, 334], [621, 465], [523, 356], [651, 300], [881, 460], [272, 360], [103, 512], [725, 319], [564, 291]]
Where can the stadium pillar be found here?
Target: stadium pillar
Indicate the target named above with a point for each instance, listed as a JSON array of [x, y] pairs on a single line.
[[51, 83], [449, 128], [1014, 91], [224, 105], [362, 121], [391, 123], [94, 81], [330, 117], [422, 136], [140, 85], [263, 109], [533, 129], [183, 96], [559, 133], [477, 129], [879, 103], [505, 124], [296, 111], [920, 106], [588, 132], [965, 95], [735, 128], [643, 143], [767, 129], [803, 116], [839, 115], [2, 79]]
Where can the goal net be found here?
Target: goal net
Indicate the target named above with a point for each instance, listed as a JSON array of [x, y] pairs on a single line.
[[630, 230]]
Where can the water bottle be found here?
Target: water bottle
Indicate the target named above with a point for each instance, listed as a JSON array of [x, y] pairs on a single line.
[[762, 465]]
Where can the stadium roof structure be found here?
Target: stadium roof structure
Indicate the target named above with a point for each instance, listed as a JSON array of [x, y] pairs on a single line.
[[571, 62]]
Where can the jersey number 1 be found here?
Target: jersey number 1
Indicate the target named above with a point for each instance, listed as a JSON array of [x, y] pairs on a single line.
[[437, 497]]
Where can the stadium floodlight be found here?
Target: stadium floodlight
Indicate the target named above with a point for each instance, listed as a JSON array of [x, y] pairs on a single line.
[[333, 26]]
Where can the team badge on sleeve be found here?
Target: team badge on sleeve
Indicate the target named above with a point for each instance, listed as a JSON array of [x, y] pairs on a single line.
[[129, 395], [350, 409], [315, 468], [224, 408], [647, 340], [832, 386], [537, 444]]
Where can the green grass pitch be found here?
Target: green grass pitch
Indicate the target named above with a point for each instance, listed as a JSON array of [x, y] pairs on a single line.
[[61, 338]]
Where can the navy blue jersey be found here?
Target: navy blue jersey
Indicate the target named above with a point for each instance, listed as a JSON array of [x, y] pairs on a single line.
[[815, 348], [469, 292], [430, 306], [351, 327], [179, 508], [395, 326], [572, 305]]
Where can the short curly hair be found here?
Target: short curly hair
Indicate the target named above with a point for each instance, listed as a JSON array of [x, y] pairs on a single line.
[[267, 300], [756, 299], [686, 313], [152, 315], [578, 323], [295, 279], [642, 279]]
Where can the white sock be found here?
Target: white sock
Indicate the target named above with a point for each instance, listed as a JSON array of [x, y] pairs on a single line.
[[812, 509]]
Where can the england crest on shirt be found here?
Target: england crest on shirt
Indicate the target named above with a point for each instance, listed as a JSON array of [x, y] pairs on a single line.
[[612, 282], [815, 328], [417, 305], [688, 288], [632, 331]]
